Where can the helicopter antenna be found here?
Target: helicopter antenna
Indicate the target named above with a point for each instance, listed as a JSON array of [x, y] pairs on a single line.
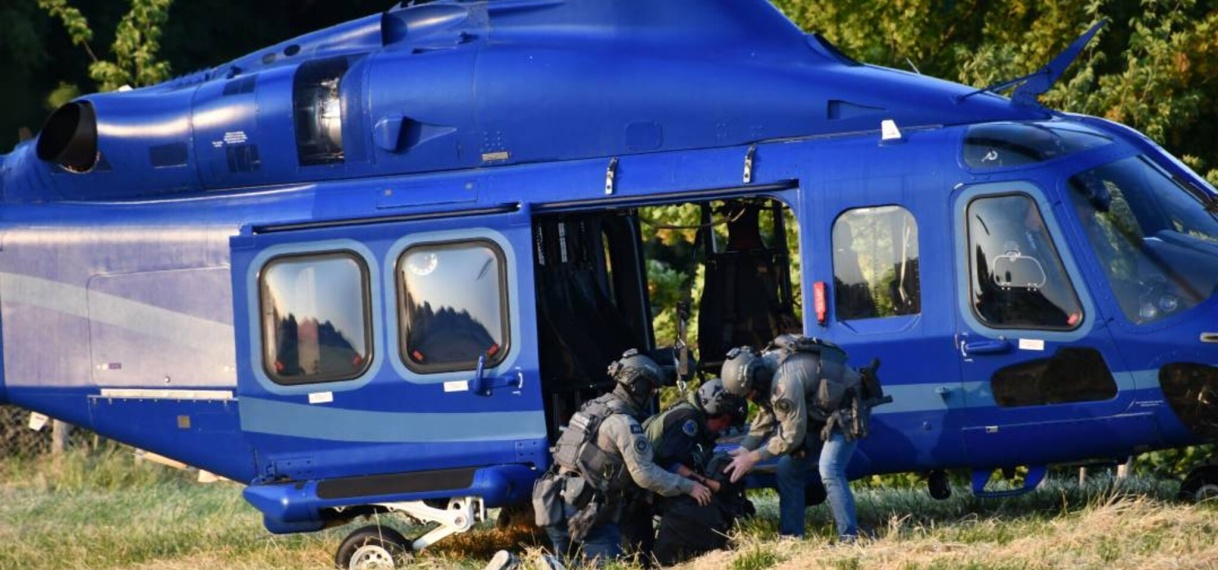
[[1029, 87]]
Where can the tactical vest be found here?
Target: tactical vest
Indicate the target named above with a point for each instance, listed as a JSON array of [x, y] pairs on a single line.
[[576, 449], [842, 397]]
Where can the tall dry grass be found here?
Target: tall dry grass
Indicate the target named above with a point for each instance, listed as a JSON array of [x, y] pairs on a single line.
[[103, 511]]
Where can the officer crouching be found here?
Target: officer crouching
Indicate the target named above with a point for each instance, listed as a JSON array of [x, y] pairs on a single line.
[[599, 457]]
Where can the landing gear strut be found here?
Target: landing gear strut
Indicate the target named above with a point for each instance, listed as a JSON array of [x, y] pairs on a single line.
[[939, 485], [379, 547]]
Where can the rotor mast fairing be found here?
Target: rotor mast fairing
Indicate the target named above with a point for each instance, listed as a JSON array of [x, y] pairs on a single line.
[[454, 85]]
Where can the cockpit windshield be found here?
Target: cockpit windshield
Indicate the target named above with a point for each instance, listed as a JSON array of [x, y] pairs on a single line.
[[1002, 145], [1155, 237]]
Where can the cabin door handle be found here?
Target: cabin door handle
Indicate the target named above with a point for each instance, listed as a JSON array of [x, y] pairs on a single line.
[[482, 386], [987, 346]]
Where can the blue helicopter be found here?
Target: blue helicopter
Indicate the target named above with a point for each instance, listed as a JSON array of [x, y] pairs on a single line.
[[375, 268]]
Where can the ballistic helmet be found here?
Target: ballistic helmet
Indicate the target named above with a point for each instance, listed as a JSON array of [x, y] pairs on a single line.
[[637, 373], [744, 371], [715, 400]]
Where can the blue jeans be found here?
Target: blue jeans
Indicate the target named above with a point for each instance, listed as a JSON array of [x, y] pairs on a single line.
[[834, 455], [603, 543]]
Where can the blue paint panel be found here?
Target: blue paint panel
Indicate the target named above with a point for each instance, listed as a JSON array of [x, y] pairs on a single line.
[[297, 508], [121, 277]]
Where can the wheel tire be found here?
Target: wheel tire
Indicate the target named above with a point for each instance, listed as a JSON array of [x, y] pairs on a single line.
[[372, 546], [1200, 485], [939, 485]]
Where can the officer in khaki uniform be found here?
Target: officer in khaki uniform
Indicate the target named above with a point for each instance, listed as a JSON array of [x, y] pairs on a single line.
[[601, 454], [782, 383]]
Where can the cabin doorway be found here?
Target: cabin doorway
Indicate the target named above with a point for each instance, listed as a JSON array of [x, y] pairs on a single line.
[[684, 281]]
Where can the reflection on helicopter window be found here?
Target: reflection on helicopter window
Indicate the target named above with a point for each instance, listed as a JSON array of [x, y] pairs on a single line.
[[453, 299], [875, 263], [1001, 145], [1153, 236], [315, 318], [1018, 280]]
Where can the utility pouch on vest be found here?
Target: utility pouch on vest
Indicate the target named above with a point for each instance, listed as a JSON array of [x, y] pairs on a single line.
[[582, 522], [548, 500], [577, 492]]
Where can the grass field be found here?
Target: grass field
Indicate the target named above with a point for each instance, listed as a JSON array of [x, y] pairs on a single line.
[[104, 511]]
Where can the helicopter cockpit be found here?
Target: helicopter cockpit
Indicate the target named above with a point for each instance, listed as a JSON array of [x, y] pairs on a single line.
[[1153, 233]]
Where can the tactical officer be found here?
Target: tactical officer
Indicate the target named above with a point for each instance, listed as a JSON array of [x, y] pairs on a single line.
[[782, 382], [600, 455], [682, 439], [684, 436]]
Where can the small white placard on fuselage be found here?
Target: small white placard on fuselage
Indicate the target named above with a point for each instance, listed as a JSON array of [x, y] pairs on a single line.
[[38, 420], [1031, 344], [457, 386], [321, 397]]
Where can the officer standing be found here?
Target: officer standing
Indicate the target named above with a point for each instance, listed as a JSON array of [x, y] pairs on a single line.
[[781, 383], [601, 454]]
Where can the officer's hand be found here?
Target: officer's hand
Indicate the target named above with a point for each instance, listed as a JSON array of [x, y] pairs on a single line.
[[701, 494], [741, 465], [737, 451]]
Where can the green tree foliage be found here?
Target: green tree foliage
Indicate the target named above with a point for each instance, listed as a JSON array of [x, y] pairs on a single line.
[[136, 43], [1153, 67]]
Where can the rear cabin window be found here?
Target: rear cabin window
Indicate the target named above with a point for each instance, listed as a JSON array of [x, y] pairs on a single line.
[[452, 306], [875, 263], [315, 315], [1017, 276]]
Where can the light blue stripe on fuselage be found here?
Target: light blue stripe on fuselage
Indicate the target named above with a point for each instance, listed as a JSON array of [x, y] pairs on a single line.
[[113, 310], [337, 424]]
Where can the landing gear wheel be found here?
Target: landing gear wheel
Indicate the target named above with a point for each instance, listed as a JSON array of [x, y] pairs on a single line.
[[1200, 485], [373, 547], [939, 485]]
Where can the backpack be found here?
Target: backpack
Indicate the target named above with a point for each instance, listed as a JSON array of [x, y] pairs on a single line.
[[842, 397]]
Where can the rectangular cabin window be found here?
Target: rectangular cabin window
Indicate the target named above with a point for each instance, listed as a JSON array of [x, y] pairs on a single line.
[[452, 305], [875, 263], [1017, 276], [315, 317]]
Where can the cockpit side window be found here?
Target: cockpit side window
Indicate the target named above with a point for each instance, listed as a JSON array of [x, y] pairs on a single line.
[[1154, 238], [453, 306], [875, 263], [315, 318], [1017, 276]]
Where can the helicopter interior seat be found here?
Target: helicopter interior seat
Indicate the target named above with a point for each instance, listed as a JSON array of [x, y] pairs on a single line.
[[739, 304], [851, 293], [582, 330], [741, 301]]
